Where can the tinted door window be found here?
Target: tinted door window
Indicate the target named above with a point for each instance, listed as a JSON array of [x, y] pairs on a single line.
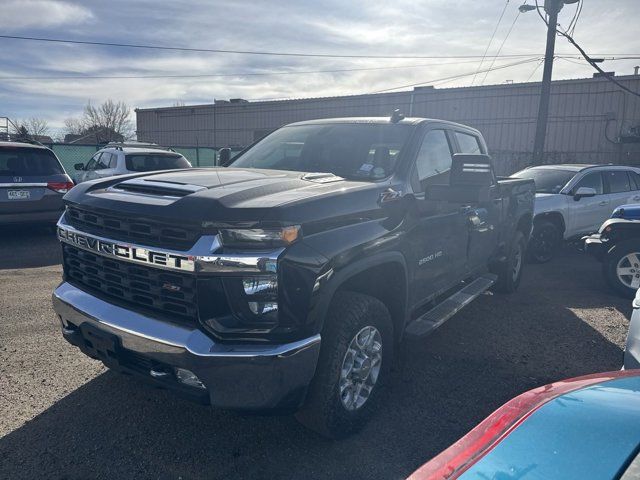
[[91, 165], [103, 161], [434, 158], [468, 143], [592, 180], [618, 181]]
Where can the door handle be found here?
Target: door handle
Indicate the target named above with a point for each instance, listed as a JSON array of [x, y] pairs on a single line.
[[603, 203], [636, 198]]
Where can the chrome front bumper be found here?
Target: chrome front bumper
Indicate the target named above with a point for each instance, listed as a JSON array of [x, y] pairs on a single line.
[[253, 377]]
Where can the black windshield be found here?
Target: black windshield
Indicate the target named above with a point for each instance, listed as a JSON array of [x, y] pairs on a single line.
[[24, 161], [149, 162], [358, 151], [547, 180]]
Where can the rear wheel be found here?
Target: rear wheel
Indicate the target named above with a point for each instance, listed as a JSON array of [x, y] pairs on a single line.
[[545, 241], [621, 267], [510, 271], [356, 353]]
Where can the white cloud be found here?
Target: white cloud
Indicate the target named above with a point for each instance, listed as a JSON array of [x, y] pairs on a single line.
[[21, 14]]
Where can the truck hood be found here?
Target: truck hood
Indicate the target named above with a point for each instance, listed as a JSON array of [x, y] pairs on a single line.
[[221, 196]]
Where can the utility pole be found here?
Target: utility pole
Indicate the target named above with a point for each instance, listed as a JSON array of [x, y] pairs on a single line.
[[552, 7]]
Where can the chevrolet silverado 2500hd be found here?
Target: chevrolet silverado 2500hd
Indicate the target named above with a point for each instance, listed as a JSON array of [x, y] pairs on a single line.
[[290, 278]]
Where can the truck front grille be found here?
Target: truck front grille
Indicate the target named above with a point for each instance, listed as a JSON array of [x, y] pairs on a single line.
[[173, 294], [143, 232]]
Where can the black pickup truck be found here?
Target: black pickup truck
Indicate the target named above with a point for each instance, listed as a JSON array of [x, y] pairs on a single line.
[[288, 279]]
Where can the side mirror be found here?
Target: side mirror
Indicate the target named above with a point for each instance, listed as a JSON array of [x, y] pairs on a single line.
[[584, 192], [79, 166], [224, 156], [471, 179]]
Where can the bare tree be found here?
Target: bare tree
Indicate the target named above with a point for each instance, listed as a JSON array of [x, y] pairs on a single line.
[[74, 126], [107, 122], [111, 117], [31, 126]]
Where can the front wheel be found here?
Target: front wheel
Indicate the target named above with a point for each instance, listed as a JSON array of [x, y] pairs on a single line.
[[621, 267], [545, 241], [355, 356]]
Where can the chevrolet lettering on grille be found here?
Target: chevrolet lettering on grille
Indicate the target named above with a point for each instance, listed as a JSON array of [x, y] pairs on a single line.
[[127, 252]]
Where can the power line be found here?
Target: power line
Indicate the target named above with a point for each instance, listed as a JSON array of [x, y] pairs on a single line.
[[242, 52], [535, 70], [238, 74], [501, 45], [455, 77], [490, 41], [254, 52]]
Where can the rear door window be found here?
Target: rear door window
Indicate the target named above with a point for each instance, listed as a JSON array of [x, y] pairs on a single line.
[[148, 162], [618, 181], [23, 161], [468, 143]]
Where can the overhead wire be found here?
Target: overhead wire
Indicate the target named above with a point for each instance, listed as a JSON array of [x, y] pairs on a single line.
[[502, 45], [490, 41]]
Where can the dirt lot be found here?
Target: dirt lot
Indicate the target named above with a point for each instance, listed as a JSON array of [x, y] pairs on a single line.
[[65, 416]]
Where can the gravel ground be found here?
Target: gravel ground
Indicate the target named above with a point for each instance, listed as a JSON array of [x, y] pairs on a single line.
[[66, 416]]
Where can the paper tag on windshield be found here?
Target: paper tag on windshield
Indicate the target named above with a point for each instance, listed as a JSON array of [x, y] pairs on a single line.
[[366, 167]]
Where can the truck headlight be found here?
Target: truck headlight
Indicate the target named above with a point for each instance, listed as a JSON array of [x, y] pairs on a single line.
[[260, 237]]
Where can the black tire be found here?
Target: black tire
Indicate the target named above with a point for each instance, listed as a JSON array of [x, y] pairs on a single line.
[[510, 271], [544, 243], [610, 267], [324, 410]]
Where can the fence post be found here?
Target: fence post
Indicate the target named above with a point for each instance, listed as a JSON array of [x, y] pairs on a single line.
[[197, 156]]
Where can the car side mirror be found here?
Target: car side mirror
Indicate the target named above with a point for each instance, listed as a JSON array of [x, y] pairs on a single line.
[[471, 179], [584, 192], [79, 166], [224, 156]]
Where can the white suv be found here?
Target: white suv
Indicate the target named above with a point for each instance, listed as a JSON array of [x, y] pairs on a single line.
[[124, 158], [574, 200]]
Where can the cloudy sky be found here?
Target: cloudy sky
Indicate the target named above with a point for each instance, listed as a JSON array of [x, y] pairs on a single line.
[[402, 28]]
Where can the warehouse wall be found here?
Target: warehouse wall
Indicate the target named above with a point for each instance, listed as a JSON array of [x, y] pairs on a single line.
[[583, 113]]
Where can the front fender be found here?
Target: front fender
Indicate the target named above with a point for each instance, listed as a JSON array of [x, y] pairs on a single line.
[[334, 278]]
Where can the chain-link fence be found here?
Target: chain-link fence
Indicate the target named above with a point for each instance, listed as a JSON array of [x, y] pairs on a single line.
[[71, 154]]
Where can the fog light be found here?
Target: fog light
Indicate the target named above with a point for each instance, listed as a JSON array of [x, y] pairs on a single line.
[[260, 308], [187, 377], [258, 285]]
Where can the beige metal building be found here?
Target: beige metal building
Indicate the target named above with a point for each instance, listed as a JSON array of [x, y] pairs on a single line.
[[591, 120]]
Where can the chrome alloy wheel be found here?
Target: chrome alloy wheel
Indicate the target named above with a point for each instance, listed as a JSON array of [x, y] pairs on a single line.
[[517, 263], [628, 270], [360, 368]]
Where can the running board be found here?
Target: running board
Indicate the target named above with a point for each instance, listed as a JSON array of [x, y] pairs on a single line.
[[446, 309]]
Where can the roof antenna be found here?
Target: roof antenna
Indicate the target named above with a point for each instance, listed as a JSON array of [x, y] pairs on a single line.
[[396, 116]]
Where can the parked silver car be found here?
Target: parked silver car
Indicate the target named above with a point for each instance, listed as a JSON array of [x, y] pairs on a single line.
[[124, 158]]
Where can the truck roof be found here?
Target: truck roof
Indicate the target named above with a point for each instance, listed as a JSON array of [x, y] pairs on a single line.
[[378, 120]]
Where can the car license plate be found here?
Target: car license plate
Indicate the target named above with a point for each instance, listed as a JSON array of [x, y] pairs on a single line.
[[19, 194]]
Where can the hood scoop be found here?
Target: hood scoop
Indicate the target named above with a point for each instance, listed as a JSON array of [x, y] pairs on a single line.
[[157, 188], [321, 177]]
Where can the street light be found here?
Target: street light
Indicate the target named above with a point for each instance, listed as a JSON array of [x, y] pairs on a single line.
[[526, 8]]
